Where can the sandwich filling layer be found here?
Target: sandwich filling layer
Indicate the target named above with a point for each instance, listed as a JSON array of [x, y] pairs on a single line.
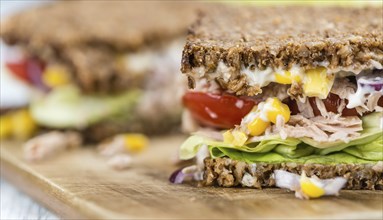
[[60, 102], [316, 103], [333, 118]]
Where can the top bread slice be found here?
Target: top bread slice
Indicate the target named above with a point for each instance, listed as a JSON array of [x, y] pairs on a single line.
[[280, 37], [87, 35], [123, 25]]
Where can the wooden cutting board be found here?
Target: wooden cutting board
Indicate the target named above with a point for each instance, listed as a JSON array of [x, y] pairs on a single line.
[[79, 184]]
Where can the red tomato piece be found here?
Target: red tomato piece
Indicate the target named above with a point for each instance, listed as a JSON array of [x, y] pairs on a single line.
[[332, 102], [19, 69], [218, 110], [29, 70]]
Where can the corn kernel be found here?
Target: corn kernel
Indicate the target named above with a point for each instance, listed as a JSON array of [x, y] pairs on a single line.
[[296, 78], [283, 78], [228, 137], [240, 138], [258, 126], [5, 126], [235, 137], [318, 83], [23, 125], [135, 143], [286, 78], [277, 108], [309, 188], [55, 76]]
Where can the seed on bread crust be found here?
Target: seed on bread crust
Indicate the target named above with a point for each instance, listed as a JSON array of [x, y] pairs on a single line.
[[280, 37], [229, 173], [87, 36]]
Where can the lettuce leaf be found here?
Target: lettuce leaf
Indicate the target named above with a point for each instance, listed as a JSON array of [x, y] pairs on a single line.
[[364, 149], [66, 107], [273, 157], [296, 151], [190, 147], [369, 151]]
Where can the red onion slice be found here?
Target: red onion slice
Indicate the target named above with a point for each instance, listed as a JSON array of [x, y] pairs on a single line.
[[177, 176], [373, 81], [35, 69]]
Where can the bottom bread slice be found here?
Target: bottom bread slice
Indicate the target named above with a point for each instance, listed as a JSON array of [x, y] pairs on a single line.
[[226, 172], [102, 130]]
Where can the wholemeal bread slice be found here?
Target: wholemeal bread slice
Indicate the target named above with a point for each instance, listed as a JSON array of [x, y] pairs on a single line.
[[226, 172], [87, 36], [281, 37], [165, 124]]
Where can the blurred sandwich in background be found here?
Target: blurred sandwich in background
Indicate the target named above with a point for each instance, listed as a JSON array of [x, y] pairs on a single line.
[[101, 67]]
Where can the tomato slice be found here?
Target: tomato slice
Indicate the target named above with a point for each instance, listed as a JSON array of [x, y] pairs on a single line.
[[28, 70], [19, 69], [225, 111], [218, 110]]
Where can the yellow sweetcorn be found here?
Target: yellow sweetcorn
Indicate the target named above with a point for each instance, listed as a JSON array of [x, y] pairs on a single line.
[[309, 188], [135, 143], [258, 126], [277, 108], [286, 78], [23, 125], [235, 137], [240, 138], [55, 76], [5, 126], [317, 83], [228, 137]]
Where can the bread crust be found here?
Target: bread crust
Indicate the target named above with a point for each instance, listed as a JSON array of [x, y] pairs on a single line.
[[280, 37], [121, 25], [86, 37]]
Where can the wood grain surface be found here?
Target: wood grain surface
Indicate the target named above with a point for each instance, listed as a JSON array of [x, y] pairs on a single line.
[[79, 184]]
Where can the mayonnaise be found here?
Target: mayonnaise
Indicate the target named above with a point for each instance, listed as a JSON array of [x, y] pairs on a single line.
[[364, 90]]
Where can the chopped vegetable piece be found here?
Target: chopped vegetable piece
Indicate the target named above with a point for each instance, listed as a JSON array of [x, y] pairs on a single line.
[[318, 83], [23, 125], [218, 110], [124, 143], [235, 137], [308, 187], [5, 126], [55, 76], [258, 126], [312, 188], [275, 107], [286, 78], [18, 124], [135, 143]]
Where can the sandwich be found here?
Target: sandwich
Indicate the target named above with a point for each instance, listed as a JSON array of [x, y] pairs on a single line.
[[277, 92], [101, 67]]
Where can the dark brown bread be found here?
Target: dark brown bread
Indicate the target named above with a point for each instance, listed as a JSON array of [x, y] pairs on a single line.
[[228, 173], [165, 124], [122, 25], [87, 36], [282, 36]]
